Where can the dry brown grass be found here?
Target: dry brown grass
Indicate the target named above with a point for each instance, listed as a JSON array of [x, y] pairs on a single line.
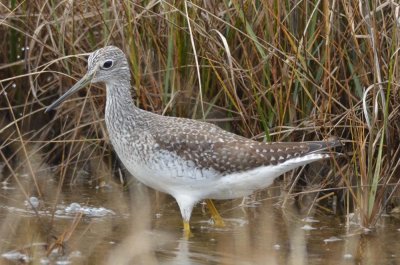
[[286, 71]]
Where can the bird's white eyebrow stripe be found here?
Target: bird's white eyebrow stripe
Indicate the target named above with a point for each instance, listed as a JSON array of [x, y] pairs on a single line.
[[92, 56]]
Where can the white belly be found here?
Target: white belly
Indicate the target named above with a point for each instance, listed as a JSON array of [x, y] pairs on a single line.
[[167, 172]]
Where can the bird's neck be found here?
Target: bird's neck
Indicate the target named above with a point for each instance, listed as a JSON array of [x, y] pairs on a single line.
[[119, 103]]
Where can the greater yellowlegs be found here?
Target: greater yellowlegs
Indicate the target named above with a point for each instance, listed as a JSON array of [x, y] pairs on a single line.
[[188, 159]]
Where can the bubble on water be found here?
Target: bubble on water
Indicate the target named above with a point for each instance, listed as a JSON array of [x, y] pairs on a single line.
[[158, 215], [90, 211], [14, 85], [73, 208], [332, 239], [33, 202], [15, 255], [347, 256], [277, 247], [18, 56], [367, 230], [308, 227]]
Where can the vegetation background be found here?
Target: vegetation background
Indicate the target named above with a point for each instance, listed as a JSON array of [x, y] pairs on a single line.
[[268, 70]]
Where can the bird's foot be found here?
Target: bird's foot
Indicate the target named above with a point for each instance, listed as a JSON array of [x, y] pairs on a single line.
[[187, 233], [218, 221]]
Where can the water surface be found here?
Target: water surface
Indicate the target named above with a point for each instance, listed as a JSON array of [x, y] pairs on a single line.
[[139, 226]]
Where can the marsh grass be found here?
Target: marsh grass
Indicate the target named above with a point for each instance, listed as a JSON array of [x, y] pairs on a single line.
[[280, 70]]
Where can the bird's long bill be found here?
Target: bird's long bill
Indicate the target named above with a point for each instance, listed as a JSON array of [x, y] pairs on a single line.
[[80, 84]]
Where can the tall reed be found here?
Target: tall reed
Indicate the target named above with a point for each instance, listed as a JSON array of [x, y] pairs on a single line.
[[270, 70]]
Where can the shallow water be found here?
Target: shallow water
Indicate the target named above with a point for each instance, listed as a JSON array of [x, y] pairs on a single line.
[[141, 226]]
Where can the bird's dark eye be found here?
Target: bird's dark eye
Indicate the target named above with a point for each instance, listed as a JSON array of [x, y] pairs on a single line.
[[107, 64]]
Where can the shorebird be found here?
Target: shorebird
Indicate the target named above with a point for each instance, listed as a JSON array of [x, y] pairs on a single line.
[[188, 159]]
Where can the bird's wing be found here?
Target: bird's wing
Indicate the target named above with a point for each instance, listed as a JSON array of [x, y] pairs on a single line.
[[212, 147]]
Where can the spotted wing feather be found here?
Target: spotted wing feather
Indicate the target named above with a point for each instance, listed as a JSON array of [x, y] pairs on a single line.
[[212, 147]]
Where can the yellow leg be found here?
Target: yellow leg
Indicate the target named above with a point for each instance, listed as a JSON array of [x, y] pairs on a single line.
[[186, 230], [218, 221]]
